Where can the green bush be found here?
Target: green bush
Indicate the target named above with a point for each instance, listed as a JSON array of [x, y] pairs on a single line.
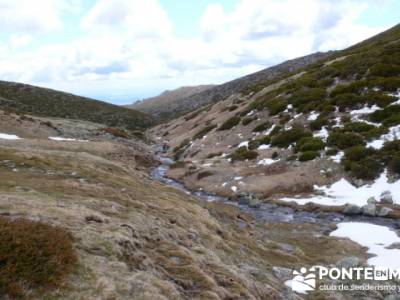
[[254, 144], [386, 113], [247, 121], [356, 87], [310, 144], [277, 105], [390, 84], [384, 70], [285, 138], [34, 257], [243, 153], [230, 123], [347, 100], [358, 153], [307, 98], [358, 127], [368, 168], [343, 140], [392, 120], [200, 134], [320, 122], [308, 155], [394, 165], [332, 151], [261, 127]]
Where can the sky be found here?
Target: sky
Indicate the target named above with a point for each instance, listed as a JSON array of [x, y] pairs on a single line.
[[125, 50]]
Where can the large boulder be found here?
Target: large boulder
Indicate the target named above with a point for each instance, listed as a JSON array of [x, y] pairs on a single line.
[[351, 210], [386, 197], [254, 202], [384, 211], [369, 210], [282, 273], [372, 200], [348, 262]]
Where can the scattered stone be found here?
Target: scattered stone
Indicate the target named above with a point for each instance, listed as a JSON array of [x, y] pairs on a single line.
[[351, 210], [371, 200], [254, 203], [243, 198], [386, 197], [358, 182], [348, 262], [282, 273], [369, 210], [384, 211], [94, 218]]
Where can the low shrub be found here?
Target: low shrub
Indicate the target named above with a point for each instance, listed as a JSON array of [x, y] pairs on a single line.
[[394, 165], [254, 144], [261, 127], [358, 153], [310, 144], [243, 153], [247, 121], [384, 70], [308, 155], [320, 122], [200, 134], [276, 106], [343, 140], [386, 113], [33, 256], [347, 100], [368, 168], [332, 151], [285, 138], [230, 123], [204, 174]]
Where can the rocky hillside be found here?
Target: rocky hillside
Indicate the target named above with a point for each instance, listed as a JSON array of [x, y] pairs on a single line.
[[27, 99], [311, 134], [82, 219], [159, 106], [216, 93]]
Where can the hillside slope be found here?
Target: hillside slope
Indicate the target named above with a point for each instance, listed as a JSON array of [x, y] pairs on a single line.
[[334, 121], [27, 99], [158, 106], [221, 92]]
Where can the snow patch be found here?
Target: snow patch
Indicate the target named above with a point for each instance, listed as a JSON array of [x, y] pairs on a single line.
[[263, 147], [376, 238], [342, 192], [266, 161], [244, 144], [365, 110], [323, 134], [234, 188], [58, 138], [5, 136], [338, 157], [313, 116]]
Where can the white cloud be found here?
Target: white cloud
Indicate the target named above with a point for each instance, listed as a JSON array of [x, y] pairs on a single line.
[[128, 44], [26, 16]]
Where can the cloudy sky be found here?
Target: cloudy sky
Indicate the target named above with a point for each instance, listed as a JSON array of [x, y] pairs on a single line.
[[122, 50]]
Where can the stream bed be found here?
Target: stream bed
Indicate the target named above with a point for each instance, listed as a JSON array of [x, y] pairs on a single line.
[[269, 212]]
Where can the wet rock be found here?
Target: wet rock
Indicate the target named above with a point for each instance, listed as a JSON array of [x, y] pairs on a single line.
[[351, 210], [386, 197], [243, 199], [369, 210], [254, 202], [384, 211], [282, 273], [348, 262], [358, 182], [371, 200]]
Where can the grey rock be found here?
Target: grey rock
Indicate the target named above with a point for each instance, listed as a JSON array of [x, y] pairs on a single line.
[[243, 199], [384, 211], [371, 200], [254, 202], [369, 210], [348, 262], [282, 273], [386, 197], [358, 182], [351, 210]]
